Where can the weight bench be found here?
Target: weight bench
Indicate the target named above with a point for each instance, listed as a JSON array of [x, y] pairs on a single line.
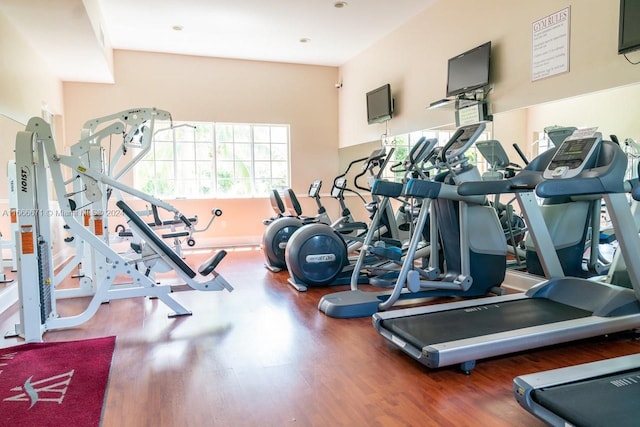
[[172, 259]]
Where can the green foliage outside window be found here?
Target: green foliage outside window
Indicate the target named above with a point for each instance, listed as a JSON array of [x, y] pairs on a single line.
[[206, 159]]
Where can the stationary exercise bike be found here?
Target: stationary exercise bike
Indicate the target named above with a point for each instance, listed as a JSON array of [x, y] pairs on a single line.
[[280, 229], [318, 256]]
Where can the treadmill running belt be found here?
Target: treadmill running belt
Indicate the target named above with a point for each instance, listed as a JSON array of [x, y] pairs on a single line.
[[606, 401], [431, 328]]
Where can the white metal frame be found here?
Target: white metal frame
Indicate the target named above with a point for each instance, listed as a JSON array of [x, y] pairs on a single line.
[[38, 164]]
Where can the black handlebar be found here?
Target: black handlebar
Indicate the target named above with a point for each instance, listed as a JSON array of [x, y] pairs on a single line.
[[185, 220], [521, 154]]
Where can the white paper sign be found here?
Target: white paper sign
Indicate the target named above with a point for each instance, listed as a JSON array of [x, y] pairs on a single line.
[[550, 45], [584, 133]]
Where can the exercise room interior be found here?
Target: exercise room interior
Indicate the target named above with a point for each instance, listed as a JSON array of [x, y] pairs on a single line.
[[264, 355]]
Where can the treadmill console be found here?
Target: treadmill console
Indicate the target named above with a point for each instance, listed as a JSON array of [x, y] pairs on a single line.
[[572, 156], [461, 140]]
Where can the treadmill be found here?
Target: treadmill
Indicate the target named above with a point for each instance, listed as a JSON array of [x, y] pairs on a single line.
[[600, 393], [557, 310]]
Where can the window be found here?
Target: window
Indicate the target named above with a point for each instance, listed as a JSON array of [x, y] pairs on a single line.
[[541, 143], [203, 159]]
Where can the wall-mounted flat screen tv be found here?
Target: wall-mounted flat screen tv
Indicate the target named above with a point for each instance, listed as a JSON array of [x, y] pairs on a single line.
[[629, 28], [469, 70], [379, 104]]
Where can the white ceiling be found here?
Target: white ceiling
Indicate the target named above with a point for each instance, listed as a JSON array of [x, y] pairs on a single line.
[[73, 35]]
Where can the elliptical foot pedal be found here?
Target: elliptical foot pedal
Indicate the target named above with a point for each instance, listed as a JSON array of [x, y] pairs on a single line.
[[392, 252], [209, 265], [349, 304]]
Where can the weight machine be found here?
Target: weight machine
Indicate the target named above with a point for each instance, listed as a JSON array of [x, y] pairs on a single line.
[[38, 165]]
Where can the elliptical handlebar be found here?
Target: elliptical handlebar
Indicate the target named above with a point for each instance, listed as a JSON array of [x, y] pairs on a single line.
[[443, 154], [414, 165], [379, 158], [353, 162]]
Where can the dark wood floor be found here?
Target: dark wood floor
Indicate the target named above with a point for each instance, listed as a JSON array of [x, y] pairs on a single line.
[[265, 356]]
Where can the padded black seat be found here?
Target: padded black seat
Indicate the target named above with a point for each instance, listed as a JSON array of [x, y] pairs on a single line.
[[209, 265], [276, 202]]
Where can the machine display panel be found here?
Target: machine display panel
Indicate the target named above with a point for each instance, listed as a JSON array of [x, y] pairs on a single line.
[[574, 150], [571, 157], [467, 136]]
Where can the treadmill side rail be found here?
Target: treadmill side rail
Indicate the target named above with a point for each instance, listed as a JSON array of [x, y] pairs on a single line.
[[459, 351], [524, 386]]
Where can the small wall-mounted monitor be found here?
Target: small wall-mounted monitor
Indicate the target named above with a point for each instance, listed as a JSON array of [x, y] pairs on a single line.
[[469, 70], [379, 104], [629, 28]]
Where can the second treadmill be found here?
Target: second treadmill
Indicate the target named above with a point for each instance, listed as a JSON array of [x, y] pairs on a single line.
[[599, 393]]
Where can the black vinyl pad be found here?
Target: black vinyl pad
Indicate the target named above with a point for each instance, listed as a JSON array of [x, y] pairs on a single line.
[[432, 328], [150, 235], [605, 401]]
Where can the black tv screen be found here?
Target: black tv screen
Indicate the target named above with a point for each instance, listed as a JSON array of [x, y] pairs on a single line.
[[629, 28], [469, 70], [379, 104]]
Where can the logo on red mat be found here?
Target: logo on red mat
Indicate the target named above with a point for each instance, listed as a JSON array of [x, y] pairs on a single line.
[[52, 389]]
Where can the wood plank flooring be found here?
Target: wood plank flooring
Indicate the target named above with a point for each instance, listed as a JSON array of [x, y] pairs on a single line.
[[264, 355]]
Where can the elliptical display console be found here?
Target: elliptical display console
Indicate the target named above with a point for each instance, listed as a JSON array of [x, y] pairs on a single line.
[[461, 140]]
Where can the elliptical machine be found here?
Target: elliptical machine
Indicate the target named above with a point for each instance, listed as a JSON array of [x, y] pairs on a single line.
[[280, 229], [465, 231]]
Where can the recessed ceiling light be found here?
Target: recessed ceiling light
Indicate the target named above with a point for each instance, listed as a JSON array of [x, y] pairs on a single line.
[[305, 40], [177, 28], [340, 4]]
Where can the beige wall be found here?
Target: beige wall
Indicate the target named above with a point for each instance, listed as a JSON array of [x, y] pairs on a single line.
[[413, 59], [26, 86], [208, 89], [25, 82], [614, 111]]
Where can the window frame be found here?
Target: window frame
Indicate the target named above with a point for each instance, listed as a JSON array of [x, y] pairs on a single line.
[[178, 161]]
